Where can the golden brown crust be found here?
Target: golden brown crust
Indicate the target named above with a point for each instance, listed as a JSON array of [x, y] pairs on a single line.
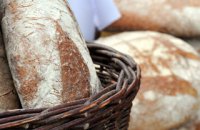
[[159, 83], [73, 70], [28, 85], [133, 21]]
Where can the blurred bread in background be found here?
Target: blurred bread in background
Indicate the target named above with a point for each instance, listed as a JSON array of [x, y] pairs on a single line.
[[169, 94], [177, 17]]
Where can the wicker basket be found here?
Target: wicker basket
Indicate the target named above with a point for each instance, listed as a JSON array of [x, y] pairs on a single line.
[[107, 110]]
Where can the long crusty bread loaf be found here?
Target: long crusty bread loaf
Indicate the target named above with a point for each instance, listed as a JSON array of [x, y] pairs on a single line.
[[49, 61], [8, 95]]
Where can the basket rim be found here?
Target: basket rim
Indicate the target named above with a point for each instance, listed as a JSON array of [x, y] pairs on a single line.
[[124, 81]]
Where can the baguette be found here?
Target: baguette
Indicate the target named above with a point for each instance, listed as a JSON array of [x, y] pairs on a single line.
[[49, 61]]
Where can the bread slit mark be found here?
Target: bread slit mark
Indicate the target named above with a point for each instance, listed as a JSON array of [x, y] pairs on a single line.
[[74, 72]]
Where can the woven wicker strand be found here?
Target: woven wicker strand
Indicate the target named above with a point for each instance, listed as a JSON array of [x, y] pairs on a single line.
[[107, 110]]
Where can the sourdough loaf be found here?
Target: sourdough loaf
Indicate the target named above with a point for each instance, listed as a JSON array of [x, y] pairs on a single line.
[[177, 17], [8, 96], [48, 57], [169, 93]]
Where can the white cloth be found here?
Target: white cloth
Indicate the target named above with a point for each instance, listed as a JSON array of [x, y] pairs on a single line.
[[92, 14]]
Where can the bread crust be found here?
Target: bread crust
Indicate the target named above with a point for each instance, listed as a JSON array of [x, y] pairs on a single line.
[[49, 61], [169, 94], [8, 96], [176, 17]]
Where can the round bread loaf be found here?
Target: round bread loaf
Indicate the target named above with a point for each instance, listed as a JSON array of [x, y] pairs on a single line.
[[169, 93], [48, 57], [8, 96], [177, 17]]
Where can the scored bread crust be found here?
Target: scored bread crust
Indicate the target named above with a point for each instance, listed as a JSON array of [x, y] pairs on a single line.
[[49, 61], [169, 93]]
